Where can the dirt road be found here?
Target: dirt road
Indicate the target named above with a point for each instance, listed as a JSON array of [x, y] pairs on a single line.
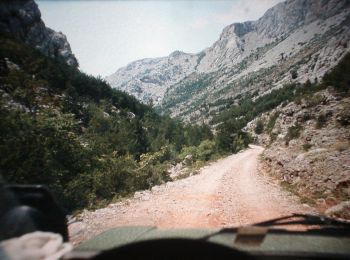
[[229, 192]]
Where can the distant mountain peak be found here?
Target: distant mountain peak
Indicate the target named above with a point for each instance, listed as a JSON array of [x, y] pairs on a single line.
[[176, 53]]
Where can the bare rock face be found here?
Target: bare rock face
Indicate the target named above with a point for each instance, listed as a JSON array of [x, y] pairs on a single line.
[[149, 79], [22, 20]]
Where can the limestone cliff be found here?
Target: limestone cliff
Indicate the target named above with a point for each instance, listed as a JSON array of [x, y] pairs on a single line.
[[22, 20]]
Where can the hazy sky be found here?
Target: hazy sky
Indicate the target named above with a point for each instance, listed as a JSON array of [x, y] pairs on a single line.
[[106, 35]]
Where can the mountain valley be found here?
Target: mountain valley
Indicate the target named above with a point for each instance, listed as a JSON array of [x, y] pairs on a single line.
[[255, 126], [293, 42]]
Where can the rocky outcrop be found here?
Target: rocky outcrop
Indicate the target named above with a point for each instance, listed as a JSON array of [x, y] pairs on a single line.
[[182, 169], [308, 149], [295, 41], [22, 20]]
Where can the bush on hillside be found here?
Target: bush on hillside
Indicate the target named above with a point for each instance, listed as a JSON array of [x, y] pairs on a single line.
[[259, 129], [205, 150], [321, 121], [72, 132], [293, 132], [202, 152], [272, 121]]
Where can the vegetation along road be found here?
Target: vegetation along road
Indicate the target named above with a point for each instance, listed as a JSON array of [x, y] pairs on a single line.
[[229, 192]]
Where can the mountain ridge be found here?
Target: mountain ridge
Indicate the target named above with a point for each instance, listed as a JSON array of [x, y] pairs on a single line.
[[283, 38]]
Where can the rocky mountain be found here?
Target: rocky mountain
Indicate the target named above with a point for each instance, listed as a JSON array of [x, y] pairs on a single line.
[[22, 20], [295, 41], [149, 79]]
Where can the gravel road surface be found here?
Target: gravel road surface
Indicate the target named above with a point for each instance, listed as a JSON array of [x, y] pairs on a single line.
[[229, 192]]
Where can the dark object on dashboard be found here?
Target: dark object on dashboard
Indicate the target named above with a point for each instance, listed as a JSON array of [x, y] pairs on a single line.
[[30, 208]]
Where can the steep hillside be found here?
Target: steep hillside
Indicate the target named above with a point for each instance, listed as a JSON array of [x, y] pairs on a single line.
[[294, 41], [308, 143], [22, 20], [87, 142]]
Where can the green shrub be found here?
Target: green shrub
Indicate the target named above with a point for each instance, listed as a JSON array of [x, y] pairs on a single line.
[[307, 146], [115, 175], [321, 121], [72, 132], [205, 150], [259, 129], [293, 132], [314, 100], [240, 141], [42, 150], [273, 137], [202, 152], [188, 150], [152, 175], [294, 74], [306, 116], [344, 117], [272, 122]]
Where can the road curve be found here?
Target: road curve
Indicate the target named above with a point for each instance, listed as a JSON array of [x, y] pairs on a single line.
[[228, 192]]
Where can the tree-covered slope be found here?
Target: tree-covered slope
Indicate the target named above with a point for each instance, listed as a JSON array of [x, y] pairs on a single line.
[[230, 123], [88, 142]]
